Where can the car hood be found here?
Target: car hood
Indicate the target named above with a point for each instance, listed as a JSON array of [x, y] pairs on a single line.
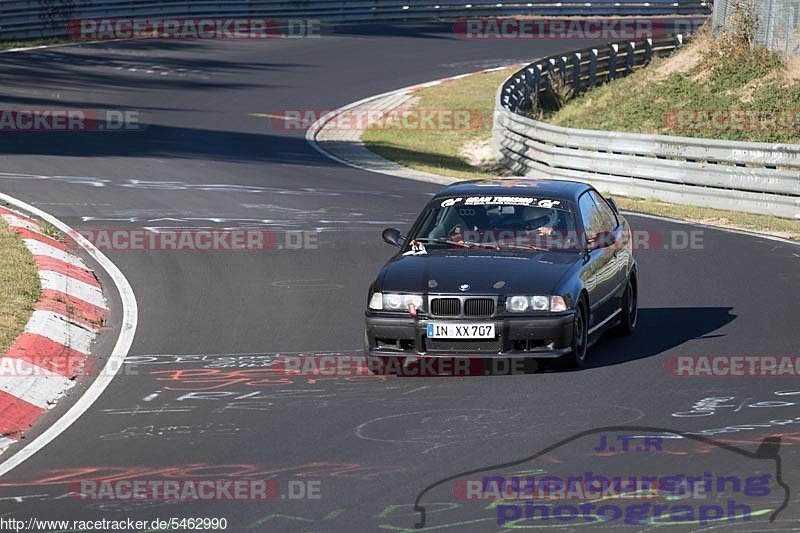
[[485, 273]]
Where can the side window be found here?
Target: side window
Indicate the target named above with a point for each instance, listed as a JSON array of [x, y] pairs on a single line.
[[591, 216], [609, 218]]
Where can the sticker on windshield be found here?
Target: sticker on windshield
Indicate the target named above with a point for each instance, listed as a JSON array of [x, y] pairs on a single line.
[[501, 200]]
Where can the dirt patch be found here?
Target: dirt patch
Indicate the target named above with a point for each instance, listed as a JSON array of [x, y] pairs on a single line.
[[479, 154], [682, 62]]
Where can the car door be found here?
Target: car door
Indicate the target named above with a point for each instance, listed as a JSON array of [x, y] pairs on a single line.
[[610, 223], [599, 270]]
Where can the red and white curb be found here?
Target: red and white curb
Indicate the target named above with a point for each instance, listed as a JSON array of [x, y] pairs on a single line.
[[42, 363]]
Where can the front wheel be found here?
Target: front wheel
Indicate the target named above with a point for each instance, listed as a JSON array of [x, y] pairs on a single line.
[[630, 309], [580, 336]]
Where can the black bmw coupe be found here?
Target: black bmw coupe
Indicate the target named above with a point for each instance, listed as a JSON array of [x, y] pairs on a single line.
[[505, 268]]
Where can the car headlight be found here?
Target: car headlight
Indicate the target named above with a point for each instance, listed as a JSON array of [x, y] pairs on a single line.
[[520, 304], [540, 303], [394, 302], [517, 303]]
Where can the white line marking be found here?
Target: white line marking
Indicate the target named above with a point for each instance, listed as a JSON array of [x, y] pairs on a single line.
[[5, 442], [42, 248], [59, 329], [73, 287], [709, 226], [123, 345], [32, 383]]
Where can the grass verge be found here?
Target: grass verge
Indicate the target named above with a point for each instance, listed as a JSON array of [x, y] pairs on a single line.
[[440, 150], [29, 43], [19, 285]]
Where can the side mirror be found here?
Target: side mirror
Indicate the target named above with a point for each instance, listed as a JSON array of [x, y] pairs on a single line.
[[604, 239], [613, 204], [393, 236]]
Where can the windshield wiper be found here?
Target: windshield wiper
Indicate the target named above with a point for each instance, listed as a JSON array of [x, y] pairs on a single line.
[[524, 247], [442, 240]]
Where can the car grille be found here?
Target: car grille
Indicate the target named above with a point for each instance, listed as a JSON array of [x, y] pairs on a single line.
[[468, 307], [446, 306], [454, 346], [479, 307]]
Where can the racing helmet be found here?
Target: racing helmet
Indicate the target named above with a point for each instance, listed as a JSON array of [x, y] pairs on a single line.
[[537, 217]]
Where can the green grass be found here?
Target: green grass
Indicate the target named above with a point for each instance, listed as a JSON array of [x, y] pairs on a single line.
[[670, 96], [19, 286], [438, 150], [27, 43]]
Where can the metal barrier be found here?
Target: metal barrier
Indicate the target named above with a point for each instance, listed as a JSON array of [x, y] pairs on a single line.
[[759, 178], [21, 19]]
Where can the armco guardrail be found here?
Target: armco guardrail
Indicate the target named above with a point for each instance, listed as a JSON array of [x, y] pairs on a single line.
[[759, 178], [20, 19]]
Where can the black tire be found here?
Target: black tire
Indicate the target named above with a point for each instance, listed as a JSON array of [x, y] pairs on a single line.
[[580, 336], [630, 309]]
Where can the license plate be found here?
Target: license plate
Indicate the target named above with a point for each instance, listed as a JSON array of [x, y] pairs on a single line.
[[447, 330]]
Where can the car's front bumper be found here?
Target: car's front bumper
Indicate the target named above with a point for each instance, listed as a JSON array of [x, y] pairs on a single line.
[[545, 336]]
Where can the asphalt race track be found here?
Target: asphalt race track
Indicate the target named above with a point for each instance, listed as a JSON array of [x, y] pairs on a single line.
[[372, 443]]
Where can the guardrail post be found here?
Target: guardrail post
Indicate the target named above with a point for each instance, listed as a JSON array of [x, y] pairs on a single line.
[[526, 89], [648, 50], [592, 68], [630, 57], [562, 68], [612, 61], [537, 84], [576, 72]]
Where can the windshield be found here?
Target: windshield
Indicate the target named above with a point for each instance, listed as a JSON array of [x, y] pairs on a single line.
[[498, 223]]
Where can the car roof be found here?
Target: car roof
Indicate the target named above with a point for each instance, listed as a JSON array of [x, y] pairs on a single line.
[[539, 188]]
